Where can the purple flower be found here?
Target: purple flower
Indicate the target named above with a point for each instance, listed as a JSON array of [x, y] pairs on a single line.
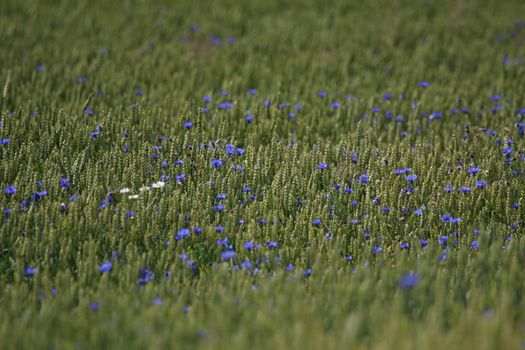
[[376, 250], [106, 266], [335, 105], [272, 244], [4, 141], [472, 170], [228, 255], [316, 222], [216, 163], [474, 245], [252, 92], [10, 190], [424, 84], [322, 94], [409, 281], [321, 166], [307, 272], [94, 306], [411, 177], [187, 125], [481, 183], [184, 232], [145, 276], [30, 271]]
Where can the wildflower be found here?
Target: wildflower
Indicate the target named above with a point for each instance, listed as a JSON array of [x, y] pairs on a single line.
[[443, 240], [216, 163], [125, 190], [321, 166], [158, 184], [94, 306], [133, 196], [30, 271], [5, 141], [424, 84], [206, 99], [507, 151], [106, 266], [145, 276], [402, 171], [130, 214], [464, 189], [10, 190], [409, 281], [252, 92], [481, 183], [335, 105], [404, 245], [376, 250], [316, 222], [411, 177], [307, 272], [89, 112], [449, 188], [272, 244], [187, 125], [157, 301], [474, 245], [185, 232], [228, 255], [472, 170], [322, 94], [249, 118]]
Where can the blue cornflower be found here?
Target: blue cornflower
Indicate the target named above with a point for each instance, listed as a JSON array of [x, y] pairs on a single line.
[[206, 99], [249, 118], [464, 189], [139, 92], [272, 244], [225, 105], [404, 245], [183, 232], [481, 183], [409, 281], [216, 163], [474, 245], [246, 265], [411, 177], [187, 125], [157, 301], [145, 276], [106, 266], [316, 222], [228, 255], [507, 151], [223, 243], [252, 92], [5, 141], [449, 188], [40, 68], [472, 170], [322, 94], [335, 105], [377, 250], [130, 214], [180, 177], [321, 166], [10, 190], [219, 207], [307, 272], [376, 201], [197, 230], [364, 178], [89, 112], [402, 171], [417, 212], [424, 84], [443, 240], [94, 306], [221, 196], [30, 271]]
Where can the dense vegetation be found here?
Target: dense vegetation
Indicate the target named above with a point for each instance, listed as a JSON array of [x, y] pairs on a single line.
[[263, 174]]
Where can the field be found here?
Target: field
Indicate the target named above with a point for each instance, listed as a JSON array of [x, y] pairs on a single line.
[[262, 174]]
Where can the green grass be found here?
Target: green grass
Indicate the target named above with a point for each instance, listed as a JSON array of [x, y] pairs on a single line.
[[70, 69]]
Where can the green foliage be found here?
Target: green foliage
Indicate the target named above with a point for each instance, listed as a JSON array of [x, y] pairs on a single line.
[[97, 93]]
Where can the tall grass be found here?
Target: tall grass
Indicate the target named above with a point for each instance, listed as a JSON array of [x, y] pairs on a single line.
[[268, 174]]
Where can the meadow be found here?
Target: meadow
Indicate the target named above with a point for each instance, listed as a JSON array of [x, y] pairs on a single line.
[[262, 175]]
